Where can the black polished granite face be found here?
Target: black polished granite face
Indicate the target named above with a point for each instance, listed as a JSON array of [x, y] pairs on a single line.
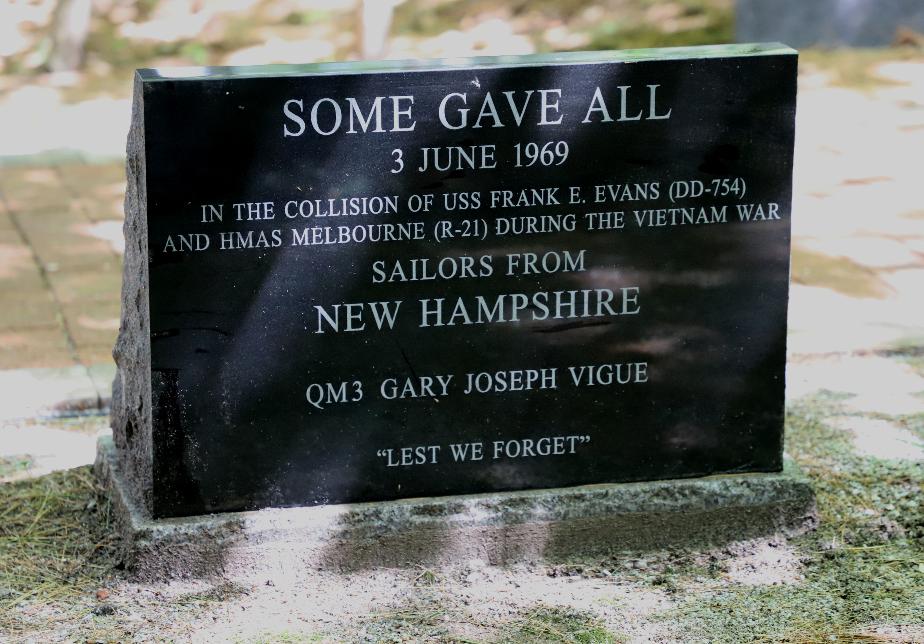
[[330, 323]]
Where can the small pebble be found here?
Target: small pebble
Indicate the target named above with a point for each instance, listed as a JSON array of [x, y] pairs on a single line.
[[104, 609]]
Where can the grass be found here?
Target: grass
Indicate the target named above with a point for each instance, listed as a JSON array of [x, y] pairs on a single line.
[[54, 543], [427, 621], [433, 622], [545, 624], [864, 566]]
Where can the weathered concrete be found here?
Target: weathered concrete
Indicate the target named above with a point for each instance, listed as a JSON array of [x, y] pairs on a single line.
[[498, 528], [806, 23]]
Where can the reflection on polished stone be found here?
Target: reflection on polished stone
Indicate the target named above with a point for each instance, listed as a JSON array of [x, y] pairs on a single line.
[[428, 280]]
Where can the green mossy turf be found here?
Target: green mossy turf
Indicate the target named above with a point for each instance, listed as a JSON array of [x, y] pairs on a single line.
[[863, 567]]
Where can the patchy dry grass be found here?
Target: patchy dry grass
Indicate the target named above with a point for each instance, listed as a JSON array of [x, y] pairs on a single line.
[[545, 624], [434, 622], [426, 621], [55, 543], [863, 567]]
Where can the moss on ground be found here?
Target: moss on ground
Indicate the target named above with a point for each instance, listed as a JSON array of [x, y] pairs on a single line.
[[863, 567], [55, 544]]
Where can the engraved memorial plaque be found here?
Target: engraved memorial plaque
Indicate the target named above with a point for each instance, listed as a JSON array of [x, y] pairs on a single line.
[[370, 282]]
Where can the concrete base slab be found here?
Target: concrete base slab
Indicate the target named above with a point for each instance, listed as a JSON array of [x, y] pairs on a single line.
[[496, 528]]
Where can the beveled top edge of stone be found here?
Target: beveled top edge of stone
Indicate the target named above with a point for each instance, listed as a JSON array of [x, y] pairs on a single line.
[[472, 62]]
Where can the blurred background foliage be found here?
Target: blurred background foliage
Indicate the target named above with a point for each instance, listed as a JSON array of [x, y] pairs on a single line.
[[103, 37]]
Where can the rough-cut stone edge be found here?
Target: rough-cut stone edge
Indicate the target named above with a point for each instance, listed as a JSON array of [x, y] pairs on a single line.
[[130, 415], [497, 528]]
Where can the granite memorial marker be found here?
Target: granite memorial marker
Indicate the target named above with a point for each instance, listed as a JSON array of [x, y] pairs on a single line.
[[368, 282]]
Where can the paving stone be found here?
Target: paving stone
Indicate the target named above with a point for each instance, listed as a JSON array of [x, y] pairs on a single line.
[[32, 187], [917, 243], [78, 177], [6, 222], [10, 237], [880, 438], [93, 323], [905, 72], [87, 284], [823, 321], [24, 282], [27, 310], [50, 445], [909, 280], [873, 384], [65, 250], [872, 251], [43, 221], [107, 230], [99, 189], [54, 258], [96, 355], [17, 265], [71, 208], [103, 207], [32, 393], [34, 347]]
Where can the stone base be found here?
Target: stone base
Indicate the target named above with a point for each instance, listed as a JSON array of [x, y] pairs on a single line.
[[497, 528]]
